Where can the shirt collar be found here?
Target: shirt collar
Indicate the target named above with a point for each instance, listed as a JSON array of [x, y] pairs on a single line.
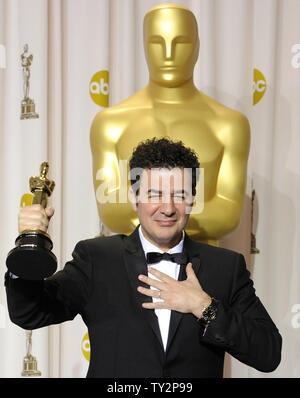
[[150, 247]]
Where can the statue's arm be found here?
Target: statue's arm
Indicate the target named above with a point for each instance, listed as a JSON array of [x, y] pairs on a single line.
[[222, 212], [105, 162], [110, 173]]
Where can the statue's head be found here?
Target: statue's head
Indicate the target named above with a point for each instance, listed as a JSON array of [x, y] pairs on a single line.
[[171, 44], [25, 48]]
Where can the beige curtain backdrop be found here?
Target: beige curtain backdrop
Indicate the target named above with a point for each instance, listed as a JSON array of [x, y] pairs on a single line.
[[72, 40]]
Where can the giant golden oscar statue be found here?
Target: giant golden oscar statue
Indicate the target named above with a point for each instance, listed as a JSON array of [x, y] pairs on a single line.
[[170, 105]]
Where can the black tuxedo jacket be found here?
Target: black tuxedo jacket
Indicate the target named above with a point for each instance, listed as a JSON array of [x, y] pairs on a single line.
[[100, 283]]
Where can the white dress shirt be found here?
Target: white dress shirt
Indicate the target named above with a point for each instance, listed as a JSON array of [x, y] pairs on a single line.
[[167, 267]]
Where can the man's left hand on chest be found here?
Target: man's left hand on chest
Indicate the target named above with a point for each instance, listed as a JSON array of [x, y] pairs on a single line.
[[183, 296]]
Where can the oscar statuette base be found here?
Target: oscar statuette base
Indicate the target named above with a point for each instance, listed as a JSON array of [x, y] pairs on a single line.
[[32, 258], [28, 109], [30, 367]]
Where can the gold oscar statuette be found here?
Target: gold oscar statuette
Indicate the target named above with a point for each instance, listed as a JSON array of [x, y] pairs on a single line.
[[29, 361], [32, 257], [27, 104]]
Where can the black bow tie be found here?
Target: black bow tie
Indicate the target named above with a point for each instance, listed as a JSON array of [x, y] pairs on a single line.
[[178, 258]]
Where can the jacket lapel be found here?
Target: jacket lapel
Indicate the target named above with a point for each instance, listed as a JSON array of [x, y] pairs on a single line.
[[192, 251], [135, 263]]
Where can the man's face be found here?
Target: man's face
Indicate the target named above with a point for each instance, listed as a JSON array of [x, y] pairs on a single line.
[[171, 46], [163, 205]]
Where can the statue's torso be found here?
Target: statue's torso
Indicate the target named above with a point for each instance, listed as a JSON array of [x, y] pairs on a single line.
[[204, 125], [195, 129]]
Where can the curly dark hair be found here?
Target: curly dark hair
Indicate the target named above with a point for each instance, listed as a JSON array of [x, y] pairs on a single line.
[[164, 153]]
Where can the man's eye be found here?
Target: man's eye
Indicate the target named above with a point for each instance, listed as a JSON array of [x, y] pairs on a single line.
[[154, 197], [179, 196]]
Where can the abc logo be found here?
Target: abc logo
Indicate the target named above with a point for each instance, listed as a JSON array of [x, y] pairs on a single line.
[[85, 347], [296, 317], [99, 88], [2, 56], [259, 86], [296, 58]]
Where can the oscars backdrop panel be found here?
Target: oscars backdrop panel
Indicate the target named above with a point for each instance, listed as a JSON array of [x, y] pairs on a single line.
[[87, 56], [24, 146]]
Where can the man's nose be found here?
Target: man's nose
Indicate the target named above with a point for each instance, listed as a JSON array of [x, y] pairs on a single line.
[[168, 207]]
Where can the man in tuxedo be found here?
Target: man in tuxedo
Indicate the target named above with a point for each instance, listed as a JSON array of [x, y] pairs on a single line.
[[156, 303]]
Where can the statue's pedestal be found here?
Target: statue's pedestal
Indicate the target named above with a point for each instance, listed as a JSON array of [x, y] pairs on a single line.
[[28, 109], [30, 367]]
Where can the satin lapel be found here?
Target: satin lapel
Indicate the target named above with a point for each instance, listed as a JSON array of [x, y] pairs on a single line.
[[192, 253], [135, 263]]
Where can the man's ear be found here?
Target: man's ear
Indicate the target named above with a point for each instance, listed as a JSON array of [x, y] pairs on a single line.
[[133, 199]]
